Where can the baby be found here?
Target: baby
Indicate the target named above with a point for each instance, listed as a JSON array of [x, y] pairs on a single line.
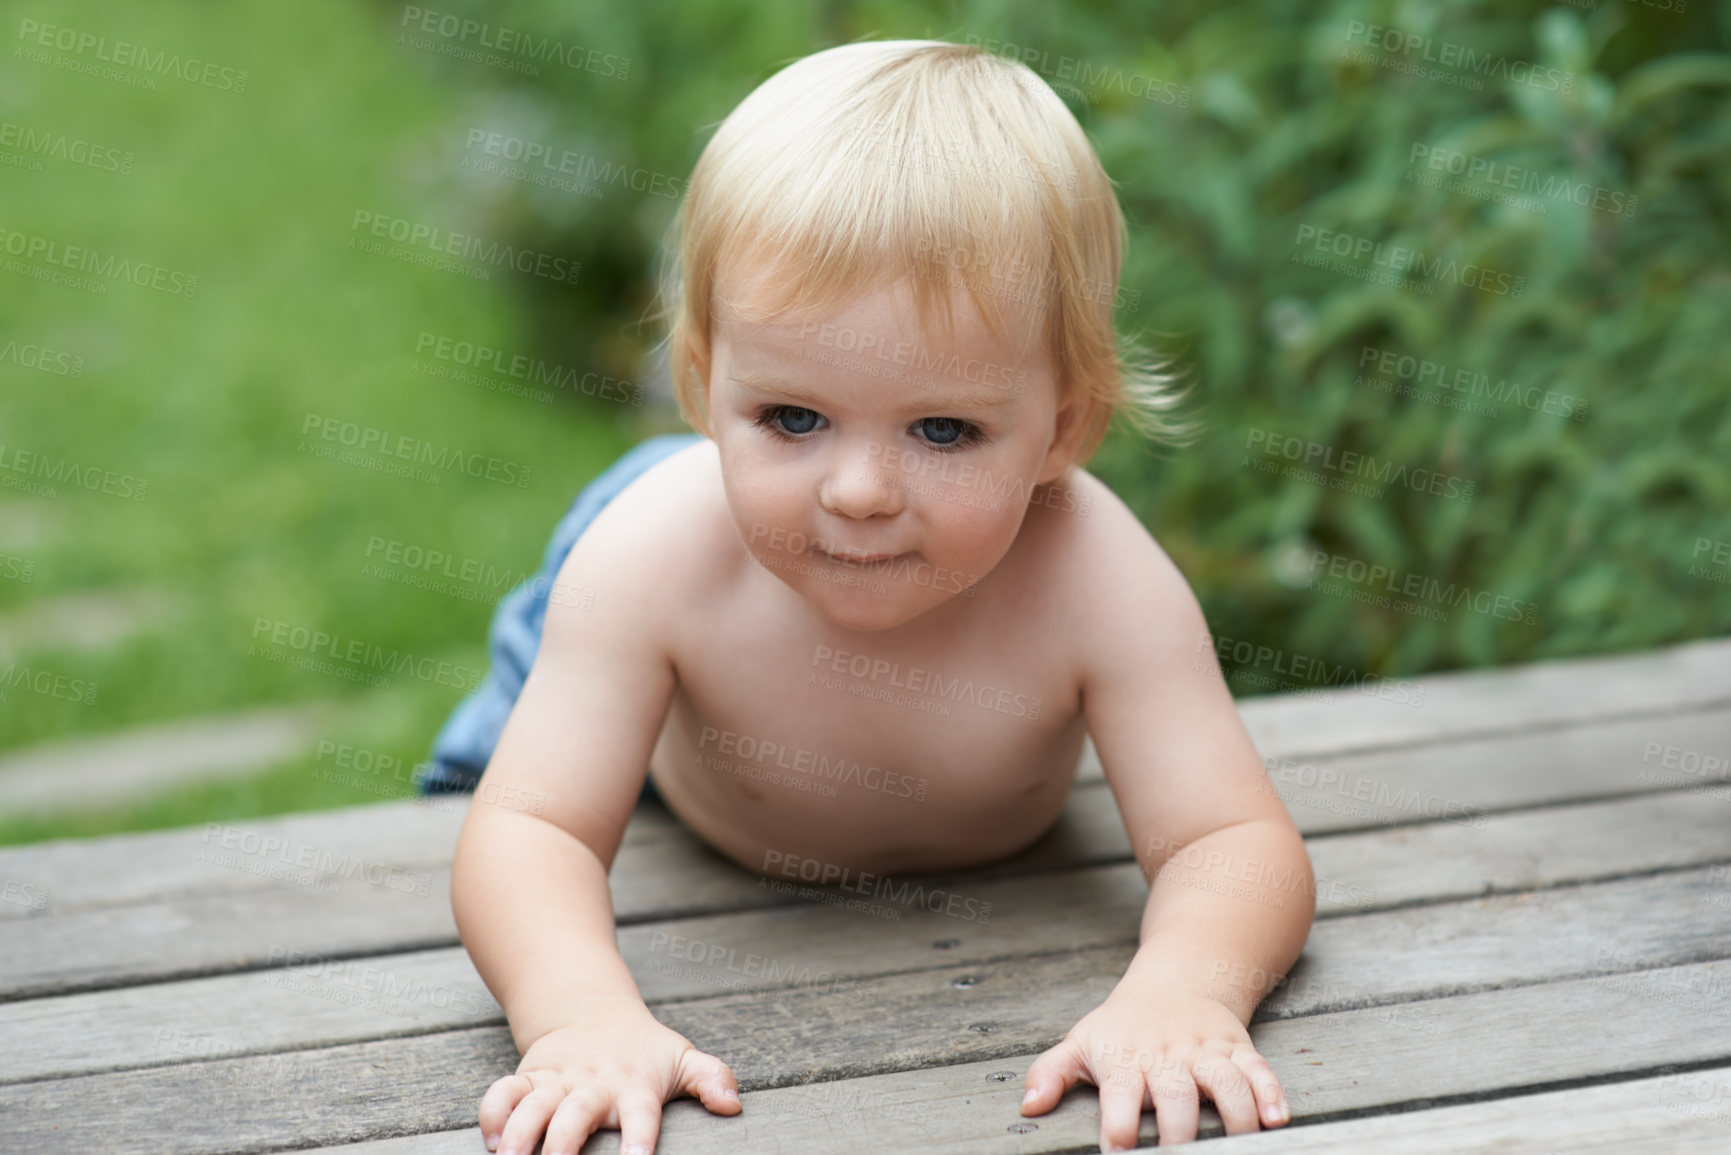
[[891, 321]]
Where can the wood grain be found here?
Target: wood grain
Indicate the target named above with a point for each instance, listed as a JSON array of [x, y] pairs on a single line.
[[1523, 1039], [1386, 957]]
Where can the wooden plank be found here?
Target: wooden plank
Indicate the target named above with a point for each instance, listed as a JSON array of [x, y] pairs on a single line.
[[663, 871], [227, 932], [1350, 1062], [307, 850], [215, 933], [80, 873], [377, 905], [965, 1107], [1391, 955], [1453, 782], [1516, 850], [1486, 702], [87, 873], [1458, 704], [1686, 1113], [1387, 958], [1330, 1064], [1497, 941], [1681, 1113]]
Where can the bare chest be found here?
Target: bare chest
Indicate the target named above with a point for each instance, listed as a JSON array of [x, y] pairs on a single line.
[[788, 735]]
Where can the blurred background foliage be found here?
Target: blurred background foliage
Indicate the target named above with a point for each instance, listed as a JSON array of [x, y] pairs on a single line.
[[1260, 124]]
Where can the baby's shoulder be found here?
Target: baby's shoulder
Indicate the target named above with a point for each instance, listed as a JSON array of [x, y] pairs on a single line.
[[1099, 557], [671, 523], [1080, 525]]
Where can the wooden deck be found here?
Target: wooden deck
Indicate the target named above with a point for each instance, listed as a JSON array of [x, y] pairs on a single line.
[[1523, 944]]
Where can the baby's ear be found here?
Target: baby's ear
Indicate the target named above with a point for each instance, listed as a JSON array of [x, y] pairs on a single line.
[[700, 369], [1068, 426]]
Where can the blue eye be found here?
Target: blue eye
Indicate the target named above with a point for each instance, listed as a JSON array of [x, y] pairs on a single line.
[[948, 434], [942, 430], [796, 420], [788, 419]]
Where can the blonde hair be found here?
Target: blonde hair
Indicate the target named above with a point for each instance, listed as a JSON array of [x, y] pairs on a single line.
[[867, 163]]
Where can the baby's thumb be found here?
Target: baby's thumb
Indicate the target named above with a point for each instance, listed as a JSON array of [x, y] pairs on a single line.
[[709, 1080], [1052, 1074]]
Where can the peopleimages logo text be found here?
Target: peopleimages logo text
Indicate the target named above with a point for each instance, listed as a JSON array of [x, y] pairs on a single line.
[[1351, 463], [1459, 57], [523, 367], [306, 640], [1400, 259], [125, 54], [1531, 182], [467, 246], [515, 42], [107, 266], [59, 146], [367, 438]]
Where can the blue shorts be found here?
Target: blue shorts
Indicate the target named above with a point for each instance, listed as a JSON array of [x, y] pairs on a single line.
[[465, 743]]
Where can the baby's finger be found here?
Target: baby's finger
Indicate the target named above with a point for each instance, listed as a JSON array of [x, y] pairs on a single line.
[[1226, 1085], [496, 1106], [528, 1121], [581, 1112], [709, 1080], [639, 1123], [1269, 1094], [1052, 1074], [1177, 1105], [1121, 1092]]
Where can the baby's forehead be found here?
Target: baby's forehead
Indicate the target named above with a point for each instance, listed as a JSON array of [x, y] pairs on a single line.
[[877, 317]]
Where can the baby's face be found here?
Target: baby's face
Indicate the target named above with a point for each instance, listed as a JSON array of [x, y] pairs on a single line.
[[877, 469]]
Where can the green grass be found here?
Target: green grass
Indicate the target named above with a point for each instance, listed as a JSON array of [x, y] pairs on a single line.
[[206, 398]]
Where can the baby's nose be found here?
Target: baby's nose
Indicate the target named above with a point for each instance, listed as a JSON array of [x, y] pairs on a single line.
[[857, 485]]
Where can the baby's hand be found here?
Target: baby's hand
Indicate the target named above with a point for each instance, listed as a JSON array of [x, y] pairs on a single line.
[[1160, 1049], [614, 1071]]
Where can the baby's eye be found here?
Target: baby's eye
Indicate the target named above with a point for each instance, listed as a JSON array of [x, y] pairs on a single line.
[[789, 419], [948, 432], [941, 430]]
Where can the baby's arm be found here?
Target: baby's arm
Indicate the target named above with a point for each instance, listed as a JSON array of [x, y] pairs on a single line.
[[529, 879], [1232, 897]]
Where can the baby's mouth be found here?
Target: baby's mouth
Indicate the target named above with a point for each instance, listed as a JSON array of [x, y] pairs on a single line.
[[859, 558]]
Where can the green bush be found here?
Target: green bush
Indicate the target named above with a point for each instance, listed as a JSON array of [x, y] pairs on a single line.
[[1580, 443]]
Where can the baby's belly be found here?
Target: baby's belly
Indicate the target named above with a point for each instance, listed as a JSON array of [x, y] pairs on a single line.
[[854, 804]]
